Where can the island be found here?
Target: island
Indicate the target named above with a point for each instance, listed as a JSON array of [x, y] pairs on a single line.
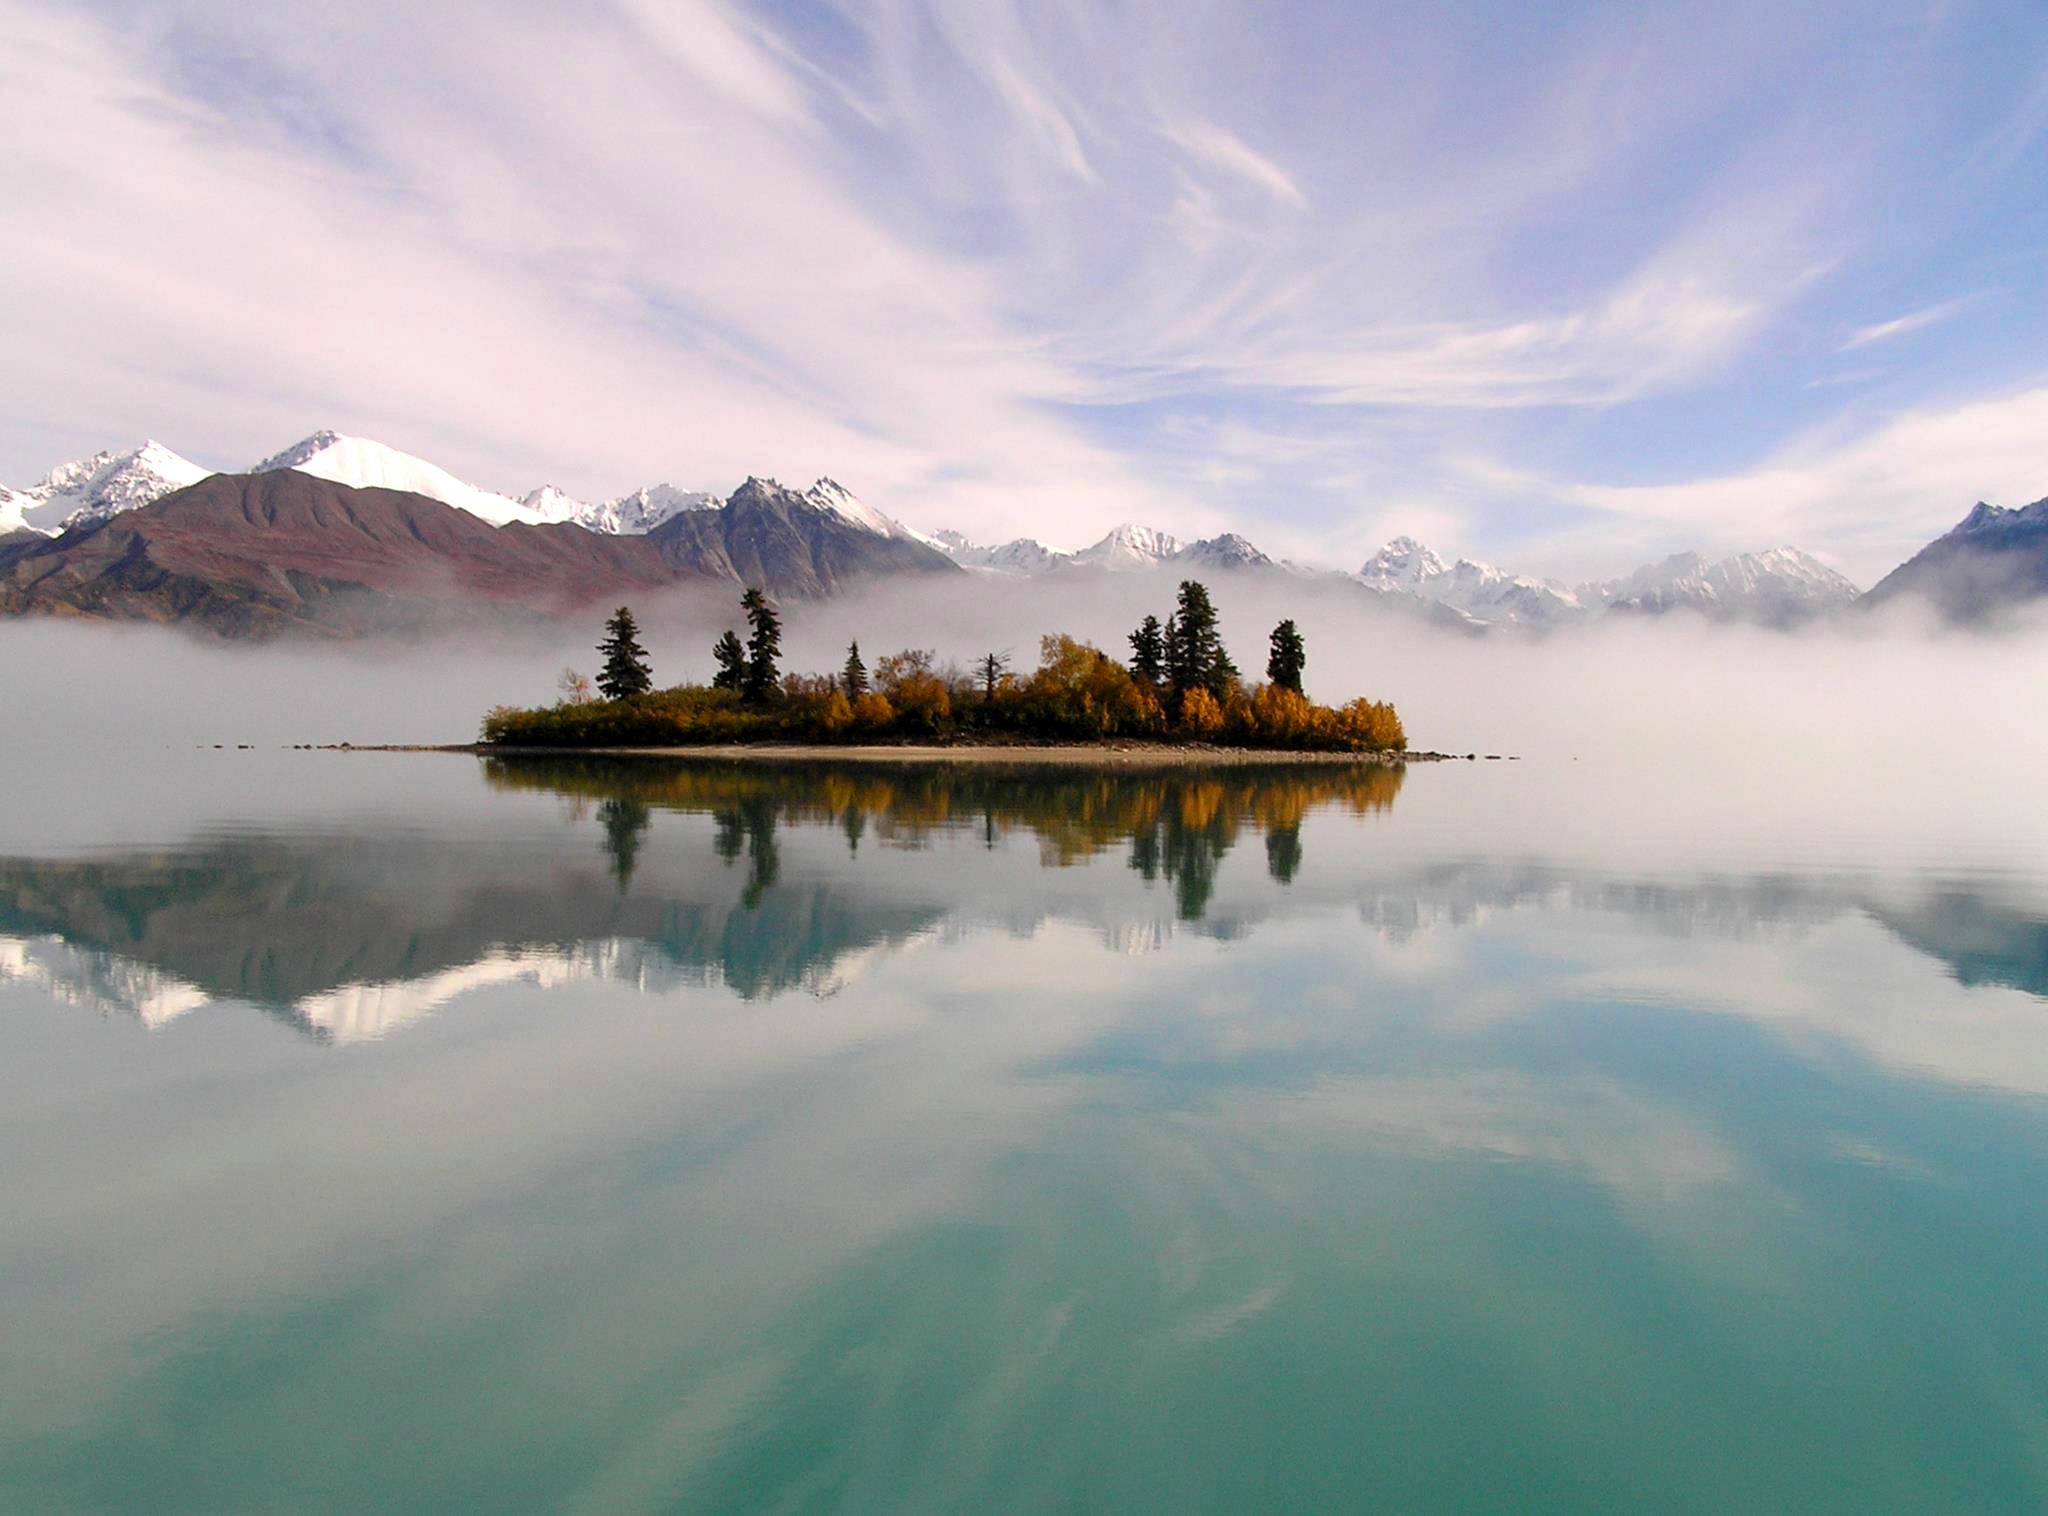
[[1178, 697]]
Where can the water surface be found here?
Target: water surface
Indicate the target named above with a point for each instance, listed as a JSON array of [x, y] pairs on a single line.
[[416, 1133]]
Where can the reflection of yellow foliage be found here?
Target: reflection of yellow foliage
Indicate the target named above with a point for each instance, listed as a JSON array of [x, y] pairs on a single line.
[[1074, 813]]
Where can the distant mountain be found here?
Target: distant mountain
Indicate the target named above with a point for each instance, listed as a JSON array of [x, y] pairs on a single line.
[[1478, 590], [363, 464], [789, 543], [816, 541], [1780, 587], [255, 555], [1126, 549], [92, 489], [1022, 556], [629, 515], [1995, 558]]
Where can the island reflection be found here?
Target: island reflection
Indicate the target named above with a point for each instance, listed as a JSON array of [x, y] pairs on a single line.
[[763, 880]]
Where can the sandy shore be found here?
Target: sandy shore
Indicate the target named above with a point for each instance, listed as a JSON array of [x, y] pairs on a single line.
[[1111, 755]]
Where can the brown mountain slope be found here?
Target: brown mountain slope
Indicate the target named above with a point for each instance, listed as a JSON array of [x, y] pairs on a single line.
[[253, 555]]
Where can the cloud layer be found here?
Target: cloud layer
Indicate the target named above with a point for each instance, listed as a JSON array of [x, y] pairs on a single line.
[[1037, 268]]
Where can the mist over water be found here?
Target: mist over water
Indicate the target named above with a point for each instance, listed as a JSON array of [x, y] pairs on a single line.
[[1878, 734]]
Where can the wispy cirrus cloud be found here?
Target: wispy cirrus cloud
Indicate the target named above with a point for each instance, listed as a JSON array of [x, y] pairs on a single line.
[[1906, 325], [968, 257]]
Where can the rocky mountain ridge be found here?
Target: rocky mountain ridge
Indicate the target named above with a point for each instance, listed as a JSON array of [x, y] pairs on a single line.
[[1994, 556]]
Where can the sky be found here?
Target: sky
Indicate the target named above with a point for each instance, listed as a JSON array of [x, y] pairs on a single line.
[[1565, 287]]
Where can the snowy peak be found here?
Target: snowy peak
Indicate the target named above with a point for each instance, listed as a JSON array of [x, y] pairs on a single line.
[[96, 489], [1023, 556], [646, 508], [1228, 551], [1129, 547], [629, 515], [1779, 585], [1481, 591], [1401, 566], [362, 464]]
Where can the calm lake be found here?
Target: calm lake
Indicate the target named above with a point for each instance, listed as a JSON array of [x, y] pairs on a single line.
[[424, 1133]]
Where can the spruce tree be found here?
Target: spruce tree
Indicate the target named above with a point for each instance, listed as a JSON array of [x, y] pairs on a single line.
[[1284, 665], [732, 662], [625, 670], [1202, 662], [1148, 653], [764, 647], [854, 677]]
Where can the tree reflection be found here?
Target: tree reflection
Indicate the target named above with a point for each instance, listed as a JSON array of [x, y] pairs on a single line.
[[625, 822], [1178, 824]]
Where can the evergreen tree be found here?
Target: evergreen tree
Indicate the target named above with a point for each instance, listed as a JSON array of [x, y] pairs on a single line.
[[993, 666], [1196, 658], [732, 662], [1148, 653], [625, 670], [764, 647], [1179, 677], [1284, 665], [854, 677]]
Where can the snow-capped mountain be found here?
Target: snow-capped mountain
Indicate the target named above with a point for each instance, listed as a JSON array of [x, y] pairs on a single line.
[[832, 496], [1776, 587], [628, 516], [1403, 566], [1228, 551], [1781, 584], [95, 488], [1483, 592], [1129, 548], [645, 509], [1022, 556], [362, 464]]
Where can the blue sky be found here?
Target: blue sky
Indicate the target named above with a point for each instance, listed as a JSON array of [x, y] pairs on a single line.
[[1567, 287]]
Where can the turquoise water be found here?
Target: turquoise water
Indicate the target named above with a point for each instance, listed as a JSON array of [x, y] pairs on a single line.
[[410, 1133]]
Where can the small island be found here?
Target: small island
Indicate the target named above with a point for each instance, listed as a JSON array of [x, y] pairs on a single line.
[[1179, 697]]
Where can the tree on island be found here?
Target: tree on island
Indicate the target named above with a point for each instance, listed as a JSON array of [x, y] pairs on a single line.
[[764, 647], [731, 658], [853, 678], [625, 670], [1195, 656], [1284, 665], [575, 687], [1148, 653], [993, 667]]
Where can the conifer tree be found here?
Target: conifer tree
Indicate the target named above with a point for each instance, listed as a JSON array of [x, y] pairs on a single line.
[[764, 647], [1284, 665], [625, 670], [732, 662], [1148, 653], [854, 677], [1196, 658]]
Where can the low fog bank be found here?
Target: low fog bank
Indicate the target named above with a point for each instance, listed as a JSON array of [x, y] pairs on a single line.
[[1867, 718]]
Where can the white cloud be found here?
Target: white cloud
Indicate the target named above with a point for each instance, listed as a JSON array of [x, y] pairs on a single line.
[[1901, 326], [1216, 148]]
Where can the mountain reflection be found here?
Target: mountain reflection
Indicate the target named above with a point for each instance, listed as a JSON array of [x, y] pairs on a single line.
[[660, 875]]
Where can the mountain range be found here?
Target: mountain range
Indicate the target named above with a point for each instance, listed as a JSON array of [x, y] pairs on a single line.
[[344, 534]]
